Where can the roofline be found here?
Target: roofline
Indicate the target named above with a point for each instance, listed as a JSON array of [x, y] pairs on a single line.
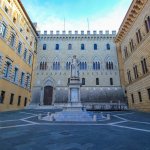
[[19, 1]]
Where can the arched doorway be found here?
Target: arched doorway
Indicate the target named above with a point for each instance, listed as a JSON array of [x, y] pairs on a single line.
[[48, 95]]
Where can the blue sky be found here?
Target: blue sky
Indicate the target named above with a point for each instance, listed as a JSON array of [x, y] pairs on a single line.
[[102, 14]]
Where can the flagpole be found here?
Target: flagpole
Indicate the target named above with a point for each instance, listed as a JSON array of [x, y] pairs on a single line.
[[88, 24], [64, 24]]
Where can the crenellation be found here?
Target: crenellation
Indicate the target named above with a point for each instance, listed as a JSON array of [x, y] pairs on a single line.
[[113, 32]]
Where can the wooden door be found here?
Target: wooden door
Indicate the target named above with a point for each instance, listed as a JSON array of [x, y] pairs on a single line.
[[48, 95]]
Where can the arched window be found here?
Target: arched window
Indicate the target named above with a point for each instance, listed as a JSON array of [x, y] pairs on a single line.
[[68, 65], [83, 65], [108, 46], [40, 65], [109, 63], [96, 64], [69, 46], [56, 64], [43, 64]]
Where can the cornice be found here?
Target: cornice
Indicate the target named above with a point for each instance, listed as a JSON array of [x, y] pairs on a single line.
[[132, 14]]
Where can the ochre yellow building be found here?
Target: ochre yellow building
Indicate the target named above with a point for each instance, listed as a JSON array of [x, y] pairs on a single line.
[[133, 44], [17, 55]]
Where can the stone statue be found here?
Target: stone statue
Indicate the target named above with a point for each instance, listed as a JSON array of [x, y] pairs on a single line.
[[75, 67]]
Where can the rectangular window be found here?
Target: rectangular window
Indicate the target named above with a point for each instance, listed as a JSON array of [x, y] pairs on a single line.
[[15, 74], [25, 101], [140, 36], [44, 46], [69, 46], [132, 97], [30, 59], [19, 47], [7, 70], [82, 47], [131, 45], [22, 79], [97, 81], [144, 66], [2, 30], [140, 96], [95, 46], [129, 76], [57, 47], [125, 52], [111, 81], [12, 40], [68, 80], [135, 72], [148, 91], [25, 54], [2, 97], [108, 46], [11, 99], [0, 62], [19, 100], [6, 9], [83, 81]]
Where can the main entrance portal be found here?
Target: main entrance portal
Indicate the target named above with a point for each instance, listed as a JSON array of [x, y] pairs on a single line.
[[48, 95]]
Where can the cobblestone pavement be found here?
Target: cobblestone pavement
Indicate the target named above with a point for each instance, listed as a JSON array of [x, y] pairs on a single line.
[[21, 130]]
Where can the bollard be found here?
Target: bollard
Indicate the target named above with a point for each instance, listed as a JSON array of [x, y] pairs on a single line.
[[94, 118], [39, 116], [48, 114], [108, 116]]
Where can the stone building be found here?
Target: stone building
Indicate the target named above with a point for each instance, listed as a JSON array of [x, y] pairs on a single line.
[[17, 55], [133, 46], [99, 72]]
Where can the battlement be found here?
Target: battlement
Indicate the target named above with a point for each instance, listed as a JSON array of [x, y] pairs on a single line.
[[107, 32]]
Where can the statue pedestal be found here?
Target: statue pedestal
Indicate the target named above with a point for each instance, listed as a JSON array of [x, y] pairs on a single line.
[[74, 102]]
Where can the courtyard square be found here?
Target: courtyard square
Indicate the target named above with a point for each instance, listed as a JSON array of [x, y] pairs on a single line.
[[21, 130]]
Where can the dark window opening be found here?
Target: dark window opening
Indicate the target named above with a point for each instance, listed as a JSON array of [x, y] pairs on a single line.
[[97, 81], [2, 97], [19, 100], [83, 81], [11, 99], [140, 96]]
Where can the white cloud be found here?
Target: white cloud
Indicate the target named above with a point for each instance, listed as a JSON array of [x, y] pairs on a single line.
[[110, 21]]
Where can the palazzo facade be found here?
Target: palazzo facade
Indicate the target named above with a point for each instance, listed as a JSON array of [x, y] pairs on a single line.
[[98, 65], [133, 46], [17, 55]]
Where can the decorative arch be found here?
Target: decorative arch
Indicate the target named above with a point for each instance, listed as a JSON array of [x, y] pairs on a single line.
[[96, 63], [68, 63], [56, 63], [43, 63], [109, 63], [83, 63]]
